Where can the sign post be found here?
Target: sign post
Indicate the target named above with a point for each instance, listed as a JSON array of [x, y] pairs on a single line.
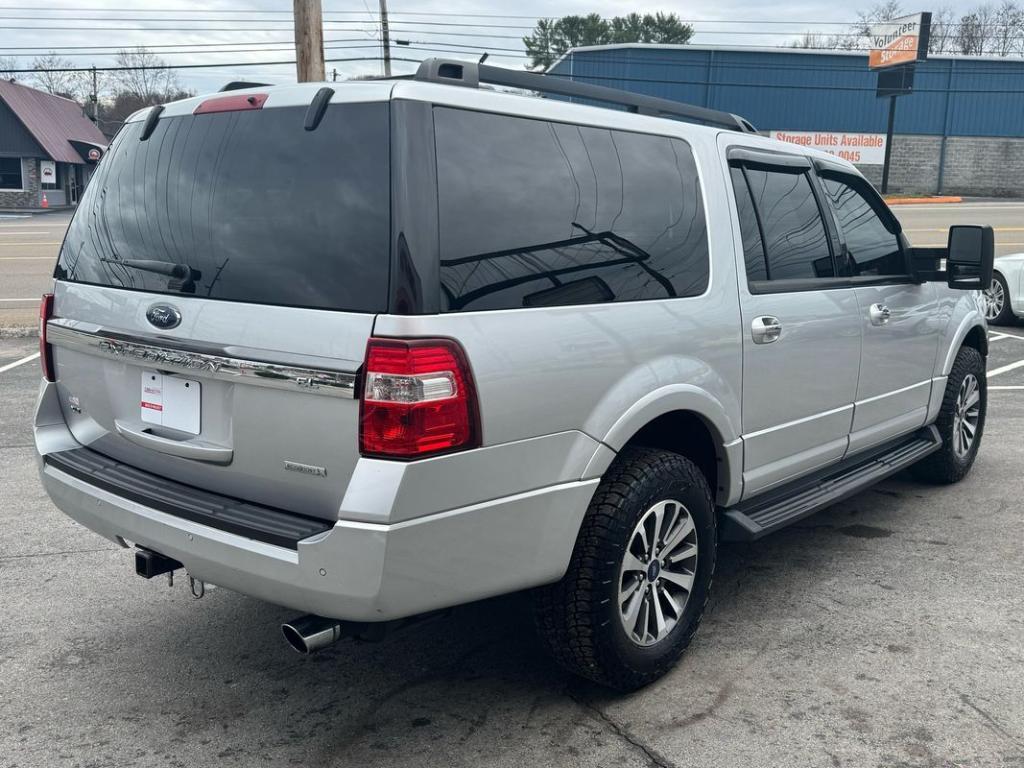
[[896, 45]]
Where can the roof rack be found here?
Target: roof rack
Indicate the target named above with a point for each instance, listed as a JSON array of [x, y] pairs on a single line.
[[471, 74]]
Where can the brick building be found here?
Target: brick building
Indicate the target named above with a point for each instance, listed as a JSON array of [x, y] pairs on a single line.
[[48, 147]]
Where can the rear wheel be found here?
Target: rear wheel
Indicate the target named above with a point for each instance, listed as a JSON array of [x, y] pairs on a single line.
[[961, 421], [997, 301], [640, 573]]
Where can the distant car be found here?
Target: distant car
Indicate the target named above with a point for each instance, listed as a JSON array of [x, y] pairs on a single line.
[[1004, 301]]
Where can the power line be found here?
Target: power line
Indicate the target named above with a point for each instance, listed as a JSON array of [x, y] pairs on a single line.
[[197, 66], [269, 12]]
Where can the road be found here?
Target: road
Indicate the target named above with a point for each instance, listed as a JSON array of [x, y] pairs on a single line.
[[885, 631], [29, 246]]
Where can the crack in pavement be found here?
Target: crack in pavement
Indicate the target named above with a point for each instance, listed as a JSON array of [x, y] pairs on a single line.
[[652, 755], [994, 724]]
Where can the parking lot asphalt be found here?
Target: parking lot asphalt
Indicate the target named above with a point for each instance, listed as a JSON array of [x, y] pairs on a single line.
[[885, 631]]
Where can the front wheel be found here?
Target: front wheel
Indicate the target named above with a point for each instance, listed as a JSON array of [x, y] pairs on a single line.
[[640, 573], [961, 421]]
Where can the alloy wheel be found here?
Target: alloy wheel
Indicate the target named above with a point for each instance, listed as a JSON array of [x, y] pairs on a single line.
[[966, 415], [995, 298], [657, 573]]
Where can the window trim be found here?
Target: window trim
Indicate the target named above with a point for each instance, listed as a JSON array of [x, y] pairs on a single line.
[[21, 169], [823, 171]]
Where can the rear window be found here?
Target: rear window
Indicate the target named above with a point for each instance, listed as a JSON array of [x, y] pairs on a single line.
[[534, 214], [243, 206]]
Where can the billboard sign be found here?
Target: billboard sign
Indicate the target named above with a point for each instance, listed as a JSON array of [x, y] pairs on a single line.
[[899, 41], [859, 148]]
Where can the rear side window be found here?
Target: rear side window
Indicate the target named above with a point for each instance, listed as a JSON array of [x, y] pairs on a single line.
[[243, 206], [872, 248], [792, 230], [535, 214]]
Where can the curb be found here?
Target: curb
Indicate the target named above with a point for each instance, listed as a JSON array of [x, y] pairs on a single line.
[[923, 200], [18, 331]]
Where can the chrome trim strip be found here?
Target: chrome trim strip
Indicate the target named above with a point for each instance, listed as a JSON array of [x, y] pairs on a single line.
[[315, 381]]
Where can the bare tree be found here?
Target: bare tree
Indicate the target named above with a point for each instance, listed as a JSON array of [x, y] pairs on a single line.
[[890, 9], [144, 76], [943, 31], [827, 41], [7, 66], [1007, 30], [51, 75]]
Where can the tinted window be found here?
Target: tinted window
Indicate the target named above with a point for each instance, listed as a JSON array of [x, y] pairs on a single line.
[[10, 173], [245, 206], [872, 248], [794, 232], [540, 214], [753, 247]]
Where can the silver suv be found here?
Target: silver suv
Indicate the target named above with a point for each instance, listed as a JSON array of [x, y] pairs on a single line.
[[372, 350]]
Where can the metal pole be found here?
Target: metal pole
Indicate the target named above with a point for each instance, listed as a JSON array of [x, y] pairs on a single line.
[[95, 97], [385, 37], [309, 40], [888, 144]]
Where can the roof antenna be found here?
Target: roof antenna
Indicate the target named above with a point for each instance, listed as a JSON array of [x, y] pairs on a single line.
[[483, 58]]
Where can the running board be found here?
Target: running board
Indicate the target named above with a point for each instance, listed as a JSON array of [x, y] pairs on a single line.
[[783, 506]]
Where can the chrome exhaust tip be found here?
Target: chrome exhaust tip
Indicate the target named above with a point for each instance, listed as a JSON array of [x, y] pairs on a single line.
[[309, 634]]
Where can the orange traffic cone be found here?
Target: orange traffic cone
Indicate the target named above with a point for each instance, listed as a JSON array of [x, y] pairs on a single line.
[[45, 203]]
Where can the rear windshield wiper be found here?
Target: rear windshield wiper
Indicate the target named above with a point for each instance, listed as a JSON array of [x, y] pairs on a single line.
[[182, 277]]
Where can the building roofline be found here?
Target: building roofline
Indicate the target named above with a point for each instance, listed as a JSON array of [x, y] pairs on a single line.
[[763, 49]]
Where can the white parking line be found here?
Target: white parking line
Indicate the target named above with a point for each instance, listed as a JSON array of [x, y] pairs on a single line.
[[1006, 387], [9, 300], [26, 258], [997, 335], [1006, 368], [16, 363]]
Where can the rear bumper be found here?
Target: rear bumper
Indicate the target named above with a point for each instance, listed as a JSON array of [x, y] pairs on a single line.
[[356, 570]]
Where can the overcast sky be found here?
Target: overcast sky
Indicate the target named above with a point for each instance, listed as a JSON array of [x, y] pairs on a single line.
[[224, 32]]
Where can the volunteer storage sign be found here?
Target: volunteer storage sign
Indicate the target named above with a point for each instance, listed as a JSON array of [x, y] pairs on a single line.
[[859, 148]]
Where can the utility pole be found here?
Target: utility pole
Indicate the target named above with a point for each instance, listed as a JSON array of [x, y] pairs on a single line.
[[309, 40], [385, 37], [95, 97]]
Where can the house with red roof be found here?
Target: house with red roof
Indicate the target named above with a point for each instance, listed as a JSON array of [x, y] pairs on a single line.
[[48, 148]]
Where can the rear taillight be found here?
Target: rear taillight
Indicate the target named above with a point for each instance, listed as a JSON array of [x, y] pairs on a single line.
[[45, 353], [418, 399]]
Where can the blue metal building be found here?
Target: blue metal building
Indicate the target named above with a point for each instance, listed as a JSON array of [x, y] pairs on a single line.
[[810, 90]]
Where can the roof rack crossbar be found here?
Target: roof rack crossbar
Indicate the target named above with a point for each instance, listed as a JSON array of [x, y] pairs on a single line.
[[471, 74]]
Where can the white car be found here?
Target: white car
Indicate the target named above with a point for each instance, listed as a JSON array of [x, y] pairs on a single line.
[[1004, 301]]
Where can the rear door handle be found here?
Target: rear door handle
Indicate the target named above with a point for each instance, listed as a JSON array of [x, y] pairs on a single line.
[[879, 314], [765, 329], [184, 449]]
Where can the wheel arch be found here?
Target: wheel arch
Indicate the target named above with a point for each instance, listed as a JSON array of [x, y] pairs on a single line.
[[970, 332], [687, 421]]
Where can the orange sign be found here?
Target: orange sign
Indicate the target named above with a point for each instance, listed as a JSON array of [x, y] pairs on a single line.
[[899, 41]]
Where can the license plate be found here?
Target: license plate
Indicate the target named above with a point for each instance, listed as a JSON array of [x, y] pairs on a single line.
[[171, 402]]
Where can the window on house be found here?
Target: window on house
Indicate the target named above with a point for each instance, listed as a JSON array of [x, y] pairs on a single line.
[[10, 173]]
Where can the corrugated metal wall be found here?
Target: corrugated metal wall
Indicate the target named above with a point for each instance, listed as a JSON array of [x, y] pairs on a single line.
[[815, 91]]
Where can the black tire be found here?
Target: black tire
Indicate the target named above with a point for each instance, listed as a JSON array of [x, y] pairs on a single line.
[[1005, 316], [578, 617], [945, 466]]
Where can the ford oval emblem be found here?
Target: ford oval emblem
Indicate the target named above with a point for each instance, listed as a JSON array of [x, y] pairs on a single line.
[[163, 316]]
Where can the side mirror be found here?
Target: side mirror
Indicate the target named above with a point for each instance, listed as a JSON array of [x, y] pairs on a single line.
[[969, 258]]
